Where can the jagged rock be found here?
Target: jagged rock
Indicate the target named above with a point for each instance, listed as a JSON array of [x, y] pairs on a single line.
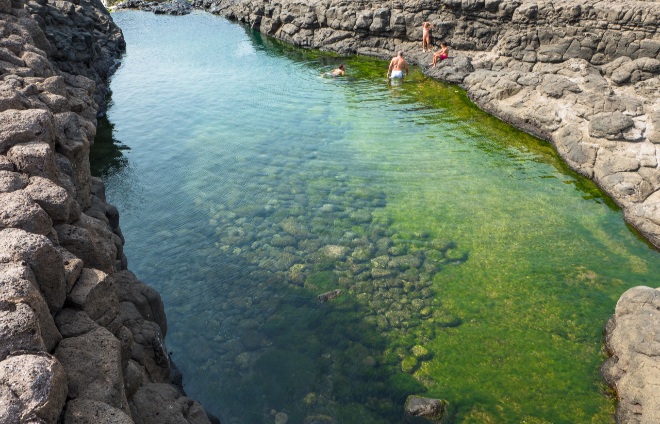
[[12, 181], [34, 158], [52, 198], [73, 266], [17, 286], [23, 126], [134, 377], [20, 211], [92, 362], [32, 389], [145, 298], [86, 411], [90, 240], [172, 7], [19, 329], [95, 294], [148, 347], [163, 404], [74, 322], [43, 259], [6, 165]]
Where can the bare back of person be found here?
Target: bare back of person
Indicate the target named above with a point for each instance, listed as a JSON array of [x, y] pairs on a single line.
[[397, 65]]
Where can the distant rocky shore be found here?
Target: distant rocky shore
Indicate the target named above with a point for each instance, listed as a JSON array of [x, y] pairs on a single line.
[[583, 75], [81, 338]]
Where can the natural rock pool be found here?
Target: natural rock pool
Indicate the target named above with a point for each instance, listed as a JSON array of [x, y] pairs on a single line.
[[474, 266]]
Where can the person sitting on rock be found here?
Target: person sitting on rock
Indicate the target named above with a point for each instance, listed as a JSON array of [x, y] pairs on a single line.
[[441, 54], [426, 35]]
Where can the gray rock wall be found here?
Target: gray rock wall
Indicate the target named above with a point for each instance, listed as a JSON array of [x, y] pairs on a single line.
[[584, 75], [81, 338]]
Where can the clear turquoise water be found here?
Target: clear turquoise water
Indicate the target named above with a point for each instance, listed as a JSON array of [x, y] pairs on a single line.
[[474, 266]]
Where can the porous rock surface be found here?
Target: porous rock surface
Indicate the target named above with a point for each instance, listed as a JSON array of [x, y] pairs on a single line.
[[584, 75], [81, 338], [633, 340]]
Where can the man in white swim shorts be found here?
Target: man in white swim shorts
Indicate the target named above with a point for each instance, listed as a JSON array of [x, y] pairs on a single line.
[[397, 66]]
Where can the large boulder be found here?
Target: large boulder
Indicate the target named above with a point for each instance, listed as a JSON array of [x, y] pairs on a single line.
[[17, 286], [92, 362], [74, 322], [42, 257], [145, 298], [33, 389], [22, 126], [19, 329], [51, 197], [20, 211], [86, 411], [95, 294], [34, 158], [148, 347], [11, 181], [633, 370], [90, 240], [421, 410], [164, 404]]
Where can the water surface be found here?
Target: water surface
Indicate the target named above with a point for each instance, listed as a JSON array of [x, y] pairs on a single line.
[[474, 266]]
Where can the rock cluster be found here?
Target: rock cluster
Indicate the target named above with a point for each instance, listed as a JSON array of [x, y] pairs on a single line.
[[173, 7], [81, 338], [583, 75]]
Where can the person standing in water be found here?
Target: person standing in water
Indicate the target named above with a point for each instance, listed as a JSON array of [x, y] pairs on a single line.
[[441, 54], [426, 35], [397, 65]]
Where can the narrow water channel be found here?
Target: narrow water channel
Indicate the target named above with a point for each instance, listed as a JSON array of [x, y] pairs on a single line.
[[474, 266]]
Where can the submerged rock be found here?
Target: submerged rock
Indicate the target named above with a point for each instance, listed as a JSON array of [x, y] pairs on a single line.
[[329, 295], [421, 410]]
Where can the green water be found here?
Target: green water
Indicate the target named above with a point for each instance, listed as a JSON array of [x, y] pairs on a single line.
[[474, 266]]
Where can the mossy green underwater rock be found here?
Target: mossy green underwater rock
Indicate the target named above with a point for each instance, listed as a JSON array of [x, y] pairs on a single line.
[[421, 410]]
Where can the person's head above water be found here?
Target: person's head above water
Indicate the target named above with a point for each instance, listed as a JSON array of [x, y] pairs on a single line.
[[341, 66]]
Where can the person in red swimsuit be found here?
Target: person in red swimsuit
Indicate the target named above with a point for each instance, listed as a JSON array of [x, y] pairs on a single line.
[[441, 54]]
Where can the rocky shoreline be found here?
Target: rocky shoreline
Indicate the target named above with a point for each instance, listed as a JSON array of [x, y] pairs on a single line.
[[584, 76], [81, 338]]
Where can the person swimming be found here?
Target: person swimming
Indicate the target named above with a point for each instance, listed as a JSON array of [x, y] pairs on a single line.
[[397, 65], [340, 71]]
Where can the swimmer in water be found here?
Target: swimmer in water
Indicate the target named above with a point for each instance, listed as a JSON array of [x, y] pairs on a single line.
[[339, 72]]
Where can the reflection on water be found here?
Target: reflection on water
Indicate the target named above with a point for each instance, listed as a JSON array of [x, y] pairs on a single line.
[[474, 266], [106, 157]]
